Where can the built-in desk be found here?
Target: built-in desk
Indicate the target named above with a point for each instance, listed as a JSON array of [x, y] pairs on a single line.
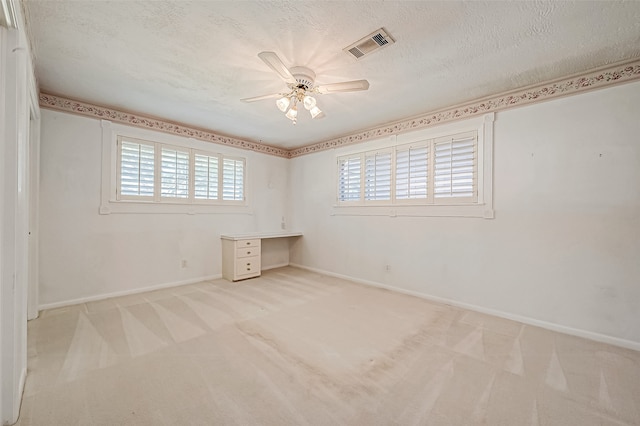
[[241, 253]]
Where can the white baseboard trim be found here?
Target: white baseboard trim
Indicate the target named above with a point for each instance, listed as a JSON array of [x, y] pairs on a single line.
[[603, 338], [279, 265], [126, 292]]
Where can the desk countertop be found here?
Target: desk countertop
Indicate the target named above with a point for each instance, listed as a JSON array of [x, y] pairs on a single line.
[[261, 235]]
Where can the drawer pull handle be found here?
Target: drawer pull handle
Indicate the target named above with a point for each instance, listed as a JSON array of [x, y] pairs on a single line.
[[248, 244], [248, 269], [249, 252], [248, 264]]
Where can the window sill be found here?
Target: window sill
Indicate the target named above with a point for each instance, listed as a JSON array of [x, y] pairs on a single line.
[[475, 210], [134, 207]]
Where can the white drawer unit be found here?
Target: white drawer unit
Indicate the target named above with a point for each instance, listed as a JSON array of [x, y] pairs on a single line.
[[240, 259], [241, 255]]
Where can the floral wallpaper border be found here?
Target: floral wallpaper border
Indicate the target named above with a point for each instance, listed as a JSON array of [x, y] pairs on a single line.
[[588, 81], [83, 108], [619, 73]]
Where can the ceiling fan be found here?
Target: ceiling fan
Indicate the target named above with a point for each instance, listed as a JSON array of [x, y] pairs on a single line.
[[300, 82]]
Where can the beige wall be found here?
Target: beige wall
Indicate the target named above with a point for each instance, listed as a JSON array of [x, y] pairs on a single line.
[[86, 255], [563, 250]]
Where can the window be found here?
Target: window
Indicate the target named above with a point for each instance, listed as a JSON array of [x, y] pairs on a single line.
[[349, 178], [233, 179], [455, 167], [377, 176], [434, 171], [445, 171], [136, 169], [412, 172], [174, 178], [156, 172], [206, 177]]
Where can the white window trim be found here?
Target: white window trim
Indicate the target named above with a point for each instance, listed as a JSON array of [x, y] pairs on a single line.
[[483, 208], [110, 204]]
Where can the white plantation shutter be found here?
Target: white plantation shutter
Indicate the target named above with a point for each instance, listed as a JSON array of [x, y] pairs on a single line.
[[205, 177], [349, 171], [232, 179], [174, 177], [136, 177], [377, 176], [412, 172], [161, 173], [455, 173], [422, 176]]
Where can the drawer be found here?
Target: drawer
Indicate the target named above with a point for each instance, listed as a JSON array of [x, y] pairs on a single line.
[[248, 243], [247, 252], [248, 265]]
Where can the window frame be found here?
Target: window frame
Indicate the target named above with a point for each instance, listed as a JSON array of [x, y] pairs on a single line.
[[480, 206]]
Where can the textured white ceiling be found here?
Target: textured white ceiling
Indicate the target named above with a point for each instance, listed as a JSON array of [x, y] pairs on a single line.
[[192, 62]]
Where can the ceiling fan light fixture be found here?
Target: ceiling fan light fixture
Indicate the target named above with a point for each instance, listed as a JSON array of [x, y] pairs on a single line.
[[292, 113], [315, 111], [301, 83], [309, 102], [283, 103]]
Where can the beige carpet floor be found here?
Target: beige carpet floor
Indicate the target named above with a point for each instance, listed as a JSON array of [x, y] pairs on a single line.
[[298, 348]]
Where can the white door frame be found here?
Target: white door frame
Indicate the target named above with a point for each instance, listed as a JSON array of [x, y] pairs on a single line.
[[33, 177], [19, 151]]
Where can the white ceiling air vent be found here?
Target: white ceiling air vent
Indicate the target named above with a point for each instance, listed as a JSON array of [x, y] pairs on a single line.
[[374, 41]]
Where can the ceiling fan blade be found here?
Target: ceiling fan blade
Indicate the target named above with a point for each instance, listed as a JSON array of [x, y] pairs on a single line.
[[274, 62], [345, 86], [259, 98]]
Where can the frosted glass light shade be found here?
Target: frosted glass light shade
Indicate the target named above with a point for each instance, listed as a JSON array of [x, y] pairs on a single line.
[[283, 104], [292, 113], [315, 111], [309, 102]]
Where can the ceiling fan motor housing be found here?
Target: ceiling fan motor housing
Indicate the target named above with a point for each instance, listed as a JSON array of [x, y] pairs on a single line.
[[304, 76]]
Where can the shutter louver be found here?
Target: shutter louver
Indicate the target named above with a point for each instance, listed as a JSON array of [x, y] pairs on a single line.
[[455, 168], [412, 172], [175, 174], [206, 177], [349, 179], [377, 174], [136, 169], [232, 179]]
